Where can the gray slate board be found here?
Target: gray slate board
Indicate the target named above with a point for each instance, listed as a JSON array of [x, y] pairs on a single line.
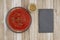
[[45, 20]]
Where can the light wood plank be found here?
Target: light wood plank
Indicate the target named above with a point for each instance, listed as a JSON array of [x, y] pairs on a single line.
[[39, 4], [9, 33], [34, 24], [57, 20], [1, 20]]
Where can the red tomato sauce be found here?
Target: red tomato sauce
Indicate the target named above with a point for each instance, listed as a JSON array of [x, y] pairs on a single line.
[[18, 19]]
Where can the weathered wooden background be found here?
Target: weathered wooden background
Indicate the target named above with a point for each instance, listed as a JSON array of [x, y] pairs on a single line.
[[32, 33]]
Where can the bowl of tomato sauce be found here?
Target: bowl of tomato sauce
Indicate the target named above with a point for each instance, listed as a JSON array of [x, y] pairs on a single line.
[[18, 19]]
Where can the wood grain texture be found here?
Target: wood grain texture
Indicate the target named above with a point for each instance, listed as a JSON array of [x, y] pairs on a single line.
[[32, 33], [57, 20], [9, 33], [34, 24], [1, 20]]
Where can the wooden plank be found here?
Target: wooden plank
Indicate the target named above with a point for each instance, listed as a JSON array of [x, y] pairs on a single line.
[[26, 34], [57, 20], [1, 20], [8, 33], [39, 4], [34, 24]]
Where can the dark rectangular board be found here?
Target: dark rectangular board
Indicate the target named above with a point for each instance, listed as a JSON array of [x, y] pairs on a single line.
[[46, 20]]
